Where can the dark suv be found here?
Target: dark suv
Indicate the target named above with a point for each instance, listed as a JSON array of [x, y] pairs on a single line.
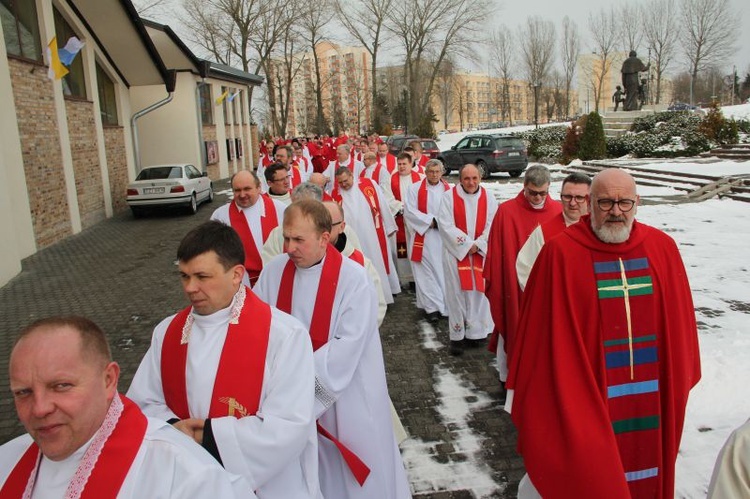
[[491, 153], [396, 143]]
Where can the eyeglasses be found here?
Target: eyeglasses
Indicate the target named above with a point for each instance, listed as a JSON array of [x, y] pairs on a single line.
[[624, 205], [536, 193], [569, 197], [282, 179]]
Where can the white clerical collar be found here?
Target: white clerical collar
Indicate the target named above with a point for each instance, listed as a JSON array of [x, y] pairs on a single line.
[[229, 315], [539, 206]]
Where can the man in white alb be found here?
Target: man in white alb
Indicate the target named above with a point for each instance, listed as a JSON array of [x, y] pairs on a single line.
[[333, 297], [343, 159], [367, 212], [401, 181], [234, 373], [253, 216], [421, 208], [85, 439], [464, 222]]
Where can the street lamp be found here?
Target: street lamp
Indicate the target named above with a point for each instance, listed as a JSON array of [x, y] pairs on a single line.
[[535, 85]]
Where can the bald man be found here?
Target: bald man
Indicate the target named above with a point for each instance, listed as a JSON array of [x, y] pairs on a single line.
[[607, 349], [84, 438]]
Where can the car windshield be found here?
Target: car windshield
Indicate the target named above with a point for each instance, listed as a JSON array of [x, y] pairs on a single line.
[[429, 144], [160, 173], [508, 142]]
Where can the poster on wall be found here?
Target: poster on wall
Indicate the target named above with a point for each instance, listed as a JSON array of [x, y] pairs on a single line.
[[230, 149], [212, 152], [238, 146]]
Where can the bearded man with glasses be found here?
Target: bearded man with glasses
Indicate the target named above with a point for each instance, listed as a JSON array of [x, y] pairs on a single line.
[[606, 354], [515, 220]]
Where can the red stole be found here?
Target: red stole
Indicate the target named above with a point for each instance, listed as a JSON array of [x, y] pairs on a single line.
[[112, 465], [375, 173], [418, 248], [367, 186], [296, 176], [253, 261], [244, 351], [320, 326], [266, 160], [320, 323], [401, 250], [390, 163], [358, 257], [471, 264]]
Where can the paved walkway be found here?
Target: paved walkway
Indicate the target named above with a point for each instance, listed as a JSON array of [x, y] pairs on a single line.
[[121, 273]]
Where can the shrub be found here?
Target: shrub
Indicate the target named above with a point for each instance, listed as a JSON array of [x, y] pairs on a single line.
[[593, 145], [719, 129], [542, 141], [743, 125], [572, 141]]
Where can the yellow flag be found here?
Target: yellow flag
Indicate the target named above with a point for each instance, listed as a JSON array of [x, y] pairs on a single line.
[[223, 96], [56, 69]]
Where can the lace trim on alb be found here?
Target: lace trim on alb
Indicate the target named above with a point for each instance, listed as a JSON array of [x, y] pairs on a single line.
[[86, 466], [323, 395], [234, 315]]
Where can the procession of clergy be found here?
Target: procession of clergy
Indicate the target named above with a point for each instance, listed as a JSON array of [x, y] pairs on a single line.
[[274, 374]]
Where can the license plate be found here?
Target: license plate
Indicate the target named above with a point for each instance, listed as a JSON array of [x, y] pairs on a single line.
[[514, 153], [153, 190]]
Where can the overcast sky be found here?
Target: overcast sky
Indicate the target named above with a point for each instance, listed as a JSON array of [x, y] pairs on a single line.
[[513, 13]]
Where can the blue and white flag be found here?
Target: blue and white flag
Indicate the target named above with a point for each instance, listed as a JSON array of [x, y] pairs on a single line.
[[69, 52]]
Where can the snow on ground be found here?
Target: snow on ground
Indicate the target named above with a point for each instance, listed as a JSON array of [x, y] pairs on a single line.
[[457, 400], [700, 166], [429, 336], [741, 111]]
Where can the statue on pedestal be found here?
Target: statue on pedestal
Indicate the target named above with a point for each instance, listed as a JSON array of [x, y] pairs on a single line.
[[630, 80]]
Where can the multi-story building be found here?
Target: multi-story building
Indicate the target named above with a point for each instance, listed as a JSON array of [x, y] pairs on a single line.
[[345, 89]]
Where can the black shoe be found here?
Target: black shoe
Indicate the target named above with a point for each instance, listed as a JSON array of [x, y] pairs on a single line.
[[457, 347], [475, 343]]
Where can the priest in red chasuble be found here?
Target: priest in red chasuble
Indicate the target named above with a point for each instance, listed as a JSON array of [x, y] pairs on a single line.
[[606, 354], [515, 220], [85, 439]]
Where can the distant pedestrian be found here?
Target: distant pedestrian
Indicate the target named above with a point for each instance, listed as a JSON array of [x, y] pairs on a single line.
[[617, 97]]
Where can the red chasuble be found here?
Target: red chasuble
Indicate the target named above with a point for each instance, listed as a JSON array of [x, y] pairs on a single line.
[[320, 330], [367, 187], [401, 250], [514, 222], [112, 464], [553, 227], [471, 264], [253, 261], [418, 249], [244, 352], [602, 377]]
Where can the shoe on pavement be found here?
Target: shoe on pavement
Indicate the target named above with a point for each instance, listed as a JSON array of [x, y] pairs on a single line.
[[457, 347]]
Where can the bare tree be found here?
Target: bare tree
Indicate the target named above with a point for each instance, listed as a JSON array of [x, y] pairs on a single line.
[[151, 7], [631, 31], [429, 31], [659, 19], [242, 31], [313, 21], [709, 30], [444, 86], [537, 40], [603, 27], [365, 21], [284, 70], [570, 51], [502, 58]]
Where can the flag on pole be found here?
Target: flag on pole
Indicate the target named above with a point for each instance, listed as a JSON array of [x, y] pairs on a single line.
[[70, 50], [223, 96], [56, 69], [231, 97]]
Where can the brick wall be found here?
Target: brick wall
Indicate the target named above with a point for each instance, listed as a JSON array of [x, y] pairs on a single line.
[[83, 146], [209, 133], [40, 143], [117, 166]]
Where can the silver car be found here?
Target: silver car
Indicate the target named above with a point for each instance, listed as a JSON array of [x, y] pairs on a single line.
[[169, 186]]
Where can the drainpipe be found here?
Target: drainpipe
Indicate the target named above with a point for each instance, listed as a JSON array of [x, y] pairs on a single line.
[[203, 69], [153, 107]]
